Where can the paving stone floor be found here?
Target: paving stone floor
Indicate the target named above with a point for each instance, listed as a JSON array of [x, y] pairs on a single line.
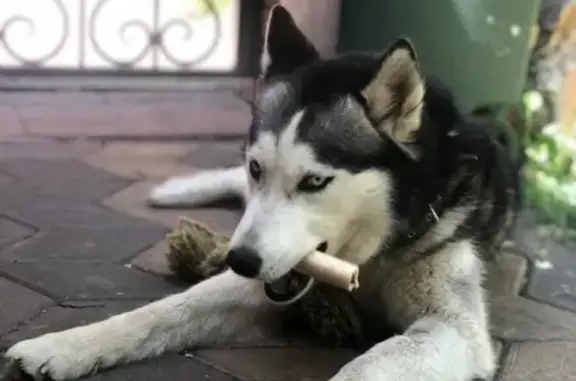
[[78, 244], [113, 115]]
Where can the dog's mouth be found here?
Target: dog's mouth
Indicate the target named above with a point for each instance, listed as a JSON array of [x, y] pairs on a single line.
[[292, 286]]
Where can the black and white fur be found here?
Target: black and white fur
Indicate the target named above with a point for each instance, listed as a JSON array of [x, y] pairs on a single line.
[[363, 157]]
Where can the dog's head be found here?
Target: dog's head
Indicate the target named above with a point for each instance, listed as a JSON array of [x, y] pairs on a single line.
[[323, 135]]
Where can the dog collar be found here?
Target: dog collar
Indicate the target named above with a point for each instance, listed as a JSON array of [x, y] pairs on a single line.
[[458, 185]]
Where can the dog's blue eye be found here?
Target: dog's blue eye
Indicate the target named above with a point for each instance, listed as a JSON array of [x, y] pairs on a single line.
[[314, 183], [255, 170]]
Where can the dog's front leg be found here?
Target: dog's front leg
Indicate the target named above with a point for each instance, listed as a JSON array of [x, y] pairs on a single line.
[[217, 309], [433, 349], [440, 303]]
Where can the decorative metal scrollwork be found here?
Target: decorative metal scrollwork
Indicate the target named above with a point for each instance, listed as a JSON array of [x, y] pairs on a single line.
[[128, 25], [152, 30], [21, 19], [189, 34]]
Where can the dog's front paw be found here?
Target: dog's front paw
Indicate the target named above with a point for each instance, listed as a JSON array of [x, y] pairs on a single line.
[[55, 356]]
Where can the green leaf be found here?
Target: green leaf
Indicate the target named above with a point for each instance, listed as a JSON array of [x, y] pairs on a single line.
[[202, 8]]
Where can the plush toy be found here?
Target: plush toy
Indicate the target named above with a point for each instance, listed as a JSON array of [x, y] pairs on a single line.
[[197, 253]]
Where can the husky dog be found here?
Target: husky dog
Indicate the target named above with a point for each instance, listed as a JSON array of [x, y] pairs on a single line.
[[364, 158]]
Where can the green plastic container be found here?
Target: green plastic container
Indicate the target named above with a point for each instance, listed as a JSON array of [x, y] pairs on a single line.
[[480, 48]]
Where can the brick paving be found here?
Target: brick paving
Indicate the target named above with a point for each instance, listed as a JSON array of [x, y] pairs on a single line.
[[114, 115], [79, 244]]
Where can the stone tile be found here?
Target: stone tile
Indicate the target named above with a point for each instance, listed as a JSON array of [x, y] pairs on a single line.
[[63, 112], [12, 232], [227, 100], [77, 244], [556, 284], [171, 367], [141, 119], [518, 319], [211, 120], [56, 318], [10, 122], [18, 304], [32, 148], [72, 128], [153, 260], [75, 128], [26, 139], [506, 274], [139, 169], [81, 281], [278, 364], [51, 212], [51, 98], [142, 161], [525, 235], [211, 113], [155, 151], [132, 201], [553, 361], [65, 179], [215, 155], [61, 121], [148, 98], [222, 96], [6, 180]]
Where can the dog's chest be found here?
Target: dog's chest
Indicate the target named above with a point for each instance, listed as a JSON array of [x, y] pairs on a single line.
[[370, 304]]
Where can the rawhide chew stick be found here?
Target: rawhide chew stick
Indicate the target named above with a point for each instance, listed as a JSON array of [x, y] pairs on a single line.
[[329, 269]]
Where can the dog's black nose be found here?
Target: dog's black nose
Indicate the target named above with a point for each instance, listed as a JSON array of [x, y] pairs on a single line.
[[244, 261]]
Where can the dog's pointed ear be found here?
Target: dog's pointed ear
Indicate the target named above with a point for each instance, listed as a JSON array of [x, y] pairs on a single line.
[[394, 96], [285, 46]]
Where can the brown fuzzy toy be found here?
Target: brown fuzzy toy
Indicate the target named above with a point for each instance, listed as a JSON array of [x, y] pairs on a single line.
[[197, 253]]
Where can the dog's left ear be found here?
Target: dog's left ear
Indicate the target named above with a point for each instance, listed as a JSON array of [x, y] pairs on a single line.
[[394, 95], [285, 46]]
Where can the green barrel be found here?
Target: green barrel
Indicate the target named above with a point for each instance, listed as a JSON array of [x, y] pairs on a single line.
[[480, 48]]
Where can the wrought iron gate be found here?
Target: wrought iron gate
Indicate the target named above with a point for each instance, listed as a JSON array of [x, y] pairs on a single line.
[[130, 37]]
